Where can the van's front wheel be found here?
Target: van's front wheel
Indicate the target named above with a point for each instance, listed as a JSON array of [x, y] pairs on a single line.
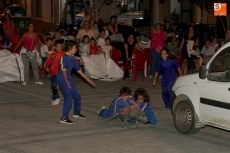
[[184, 118]]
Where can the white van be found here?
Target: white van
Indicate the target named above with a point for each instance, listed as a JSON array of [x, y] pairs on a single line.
[[204, 99]]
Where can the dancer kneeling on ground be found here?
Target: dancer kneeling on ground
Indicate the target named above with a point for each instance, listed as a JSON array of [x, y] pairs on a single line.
[[66, 83]]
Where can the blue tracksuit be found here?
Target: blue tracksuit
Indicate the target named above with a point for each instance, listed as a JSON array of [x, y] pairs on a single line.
[[115, 107], [168, 70], [146, 107], [67, 63]]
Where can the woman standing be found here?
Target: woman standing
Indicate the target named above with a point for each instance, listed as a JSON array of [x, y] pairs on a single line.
[[30, 46], [113, 30], [8, 28], [157, 43], [189, 39]]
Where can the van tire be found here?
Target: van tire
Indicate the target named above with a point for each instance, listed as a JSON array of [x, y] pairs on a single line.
[[184, 118]]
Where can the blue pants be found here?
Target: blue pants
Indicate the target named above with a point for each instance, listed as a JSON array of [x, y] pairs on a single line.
[[150, 115], [166, 90], [156, 57], [106, 113], [54, 85], [69, 95]]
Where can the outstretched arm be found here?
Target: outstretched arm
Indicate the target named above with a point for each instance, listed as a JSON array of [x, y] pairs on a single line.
[[86, 78]]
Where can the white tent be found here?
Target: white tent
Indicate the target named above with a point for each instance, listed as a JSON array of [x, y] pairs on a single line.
[[11, 67], [102, 67]]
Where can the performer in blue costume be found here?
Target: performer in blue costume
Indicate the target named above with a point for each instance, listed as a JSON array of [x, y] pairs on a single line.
[[167, 67], [142, 100], [66, 83], [117, 104]]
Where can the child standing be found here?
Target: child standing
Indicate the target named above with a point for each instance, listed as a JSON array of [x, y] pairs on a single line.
[[107, 48], [66, 83], [45, 50], [117, 104], [51, 65], [142, 100], [167, 67], [93, 47]]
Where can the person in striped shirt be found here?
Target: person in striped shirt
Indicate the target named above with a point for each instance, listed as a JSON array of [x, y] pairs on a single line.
[[118, 103], [51, 66]]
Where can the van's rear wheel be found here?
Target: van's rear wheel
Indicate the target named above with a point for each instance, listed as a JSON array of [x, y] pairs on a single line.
[[184, 118]]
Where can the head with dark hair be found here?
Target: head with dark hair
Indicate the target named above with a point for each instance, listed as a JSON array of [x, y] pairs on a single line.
[[125, 90], [49, 39], [7, 17], [141, 95], [164, 53], [85, 39], [191, 29], [113, 20], [58, 45], [107, 41], [69, 46], [92, 41], [30, 26]]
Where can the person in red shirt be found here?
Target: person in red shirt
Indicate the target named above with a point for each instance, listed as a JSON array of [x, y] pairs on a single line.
[[93, 47], [51, 65]]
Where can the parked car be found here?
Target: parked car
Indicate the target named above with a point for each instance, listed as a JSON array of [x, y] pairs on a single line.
[[203, 98]]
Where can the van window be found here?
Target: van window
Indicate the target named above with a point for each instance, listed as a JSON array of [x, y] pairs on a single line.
[[219, 69]]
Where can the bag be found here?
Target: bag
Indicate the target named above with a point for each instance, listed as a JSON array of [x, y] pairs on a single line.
[[158, 48], [30, 54]]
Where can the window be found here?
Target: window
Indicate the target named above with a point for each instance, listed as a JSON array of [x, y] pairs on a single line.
[[219, 69]]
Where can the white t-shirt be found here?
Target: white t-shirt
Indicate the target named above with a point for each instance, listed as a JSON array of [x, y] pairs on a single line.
[[208, 51], [44, 50], [106, 49], [100, 41]]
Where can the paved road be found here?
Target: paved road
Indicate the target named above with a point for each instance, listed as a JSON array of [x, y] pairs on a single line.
[[29, 124]]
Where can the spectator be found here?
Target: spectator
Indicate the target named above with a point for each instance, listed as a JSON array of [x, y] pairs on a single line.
[[222, 43], [169, 32], [101, 39], [63, 25], [107, 48], [45, 50], [84, 47], [93, 47], [95, 30], [113, 30], [8, 28], [215, 44], [173, 48], [91, 22], [30, 45], [157, 43], [207, 51], [104, 27], [85, 31], [185, 50], [56, 36], [129, 45], [139, 44]]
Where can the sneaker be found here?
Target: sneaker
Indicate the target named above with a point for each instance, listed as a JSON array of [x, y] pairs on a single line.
[[24, 83], [40, 83], [55, 102], [127, 78], [66, 120], [166, 108], [150, 76], [78, 116], [103, 107]]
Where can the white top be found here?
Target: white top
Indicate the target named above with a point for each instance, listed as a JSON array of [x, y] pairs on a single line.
[[100, 41], [106, 33], [208, 51], [44, 50], [106, 49]]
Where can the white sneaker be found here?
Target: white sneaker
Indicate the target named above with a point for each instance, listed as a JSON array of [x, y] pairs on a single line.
[[23, 83], [55, 102], [103, 107], [40, 83]]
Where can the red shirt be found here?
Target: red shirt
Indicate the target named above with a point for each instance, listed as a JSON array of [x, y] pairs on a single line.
[[93, 50], [53, 62], [30, 43]]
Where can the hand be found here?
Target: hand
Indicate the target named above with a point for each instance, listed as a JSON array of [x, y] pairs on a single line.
[[154, 83], [68, 84], [91, 82], [47, 69]]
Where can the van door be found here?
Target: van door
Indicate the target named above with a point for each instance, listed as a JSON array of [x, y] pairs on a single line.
[[215, 91]]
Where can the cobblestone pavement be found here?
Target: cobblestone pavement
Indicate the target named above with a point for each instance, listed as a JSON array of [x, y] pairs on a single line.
[[29, 124]]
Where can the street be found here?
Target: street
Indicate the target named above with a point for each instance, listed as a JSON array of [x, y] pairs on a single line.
[[29, 124]]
